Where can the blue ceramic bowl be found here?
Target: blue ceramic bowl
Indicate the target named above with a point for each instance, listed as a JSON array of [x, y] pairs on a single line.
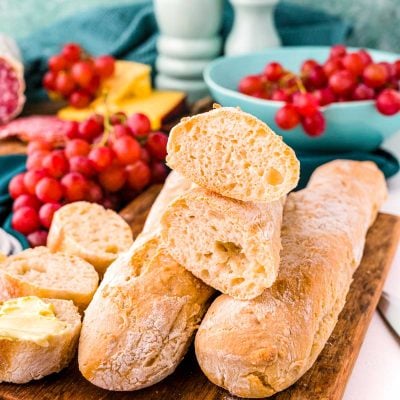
[[349, 126]]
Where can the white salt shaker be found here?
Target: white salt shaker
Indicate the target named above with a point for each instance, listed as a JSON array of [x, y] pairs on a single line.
[[253, 27], [189, 40]]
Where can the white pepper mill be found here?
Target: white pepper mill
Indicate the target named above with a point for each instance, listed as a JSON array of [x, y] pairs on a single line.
[[253, 27], [188, 41]]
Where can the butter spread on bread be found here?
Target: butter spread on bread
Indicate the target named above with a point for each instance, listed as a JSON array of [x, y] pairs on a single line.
[[258, 347], [29, 318]]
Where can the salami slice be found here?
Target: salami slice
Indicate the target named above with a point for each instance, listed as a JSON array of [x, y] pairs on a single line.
[[48, 128], [12, 84]]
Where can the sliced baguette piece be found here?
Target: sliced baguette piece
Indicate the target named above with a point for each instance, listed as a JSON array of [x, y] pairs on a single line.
[[234, 154], [259, 347], [142, 318], [91, 232], [38, 272], [229, 244], [23, 360]]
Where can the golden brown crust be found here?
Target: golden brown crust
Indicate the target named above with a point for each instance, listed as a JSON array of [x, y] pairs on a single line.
[[259, 347]]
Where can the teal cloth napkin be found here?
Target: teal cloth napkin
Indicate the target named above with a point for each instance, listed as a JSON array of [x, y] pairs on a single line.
[[14, 164], [130, 32]]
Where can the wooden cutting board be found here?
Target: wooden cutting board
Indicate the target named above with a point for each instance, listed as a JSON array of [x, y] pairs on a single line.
[[326, 380]]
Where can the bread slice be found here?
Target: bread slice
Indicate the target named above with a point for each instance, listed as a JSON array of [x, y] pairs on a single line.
[[234, 154], [91, 232], [141, 320], [38, 272], [259, 347], [231, 245], [22, 360]]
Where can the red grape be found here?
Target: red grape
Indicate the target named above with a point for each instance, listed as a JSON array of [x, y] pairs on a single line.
[[363, 92], [375, 75], [38, 146], [139, 124], [17, 187], [273, 71], [121, 131], [158, 172], [354, 63], [388, 102], [262, 94], [110, 201], [35, 159], [57, 63], [332, 65], [32, 178], [338, 51], [113, 178], [138, 175], [156, 145], [83, 165], [144, 155], [325, 96], [49, 80], [77, 147], [72, 52], [75, 186], [287, 117], [342, 82], [316, 77], [314, 125], [305, 103], [25, 220], [251, 84], [37, 238], [56, 164], [71, 129], [126, 149], [46, 213], [82, 73], [102, 157], [79, 99], [104, 65], [94, 193], [65, 85], [280, 95], [90, 128], [396, 67], [118, 118], [93, 86], [26, 200], [307, 66], [365, 56], [49, 190]]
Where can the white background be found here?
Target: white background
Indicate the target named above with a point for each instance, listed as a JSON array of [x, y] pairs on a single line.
[[376, 374]]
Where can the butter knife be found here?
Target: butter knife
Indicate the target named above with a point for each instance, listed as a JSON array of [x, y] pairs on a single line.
[[389, 306]]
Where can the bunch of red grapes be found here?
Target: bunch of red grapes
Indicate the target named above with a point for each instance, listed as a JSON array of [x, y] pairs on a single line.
[[75, 76], [104, 161], [344, 76]]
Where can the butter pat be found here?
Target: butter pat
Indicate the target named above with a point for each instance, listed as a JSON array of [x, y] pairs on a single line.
[[29, 318]]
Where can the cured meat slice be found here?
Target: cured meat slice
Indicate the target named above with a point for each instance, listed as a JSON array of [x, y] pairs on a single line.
[[48, 128], [12, 84]]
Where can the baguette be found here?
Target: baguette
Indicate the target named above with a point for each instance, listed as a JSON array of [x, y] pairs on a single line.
[[231, 245], [91, 232], [141, 320], [259, 347], [38, 272], [28, 358], [233, 154]]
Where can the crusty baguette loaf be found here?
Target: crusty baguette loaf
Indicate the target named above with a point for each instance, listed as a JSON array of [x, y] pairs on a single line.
[[259, 347], [229, 244], [234, 154], [38, 272], [141, 320], [91, 232], [24, 360]]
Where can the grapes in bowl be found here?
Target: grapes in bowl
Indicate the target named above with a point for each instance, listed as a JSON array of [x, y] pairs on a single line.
[[325, 99]]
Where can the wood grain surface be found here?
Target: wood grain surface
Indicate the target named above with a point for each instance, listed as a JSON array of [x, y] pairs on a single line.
[[326, 380]]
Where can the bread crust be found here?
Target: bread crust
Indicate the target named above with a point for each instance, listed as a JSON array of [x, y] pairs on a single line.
[[23, 361], [233, 154], [141, 320], [231, 245], [259, 347]]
